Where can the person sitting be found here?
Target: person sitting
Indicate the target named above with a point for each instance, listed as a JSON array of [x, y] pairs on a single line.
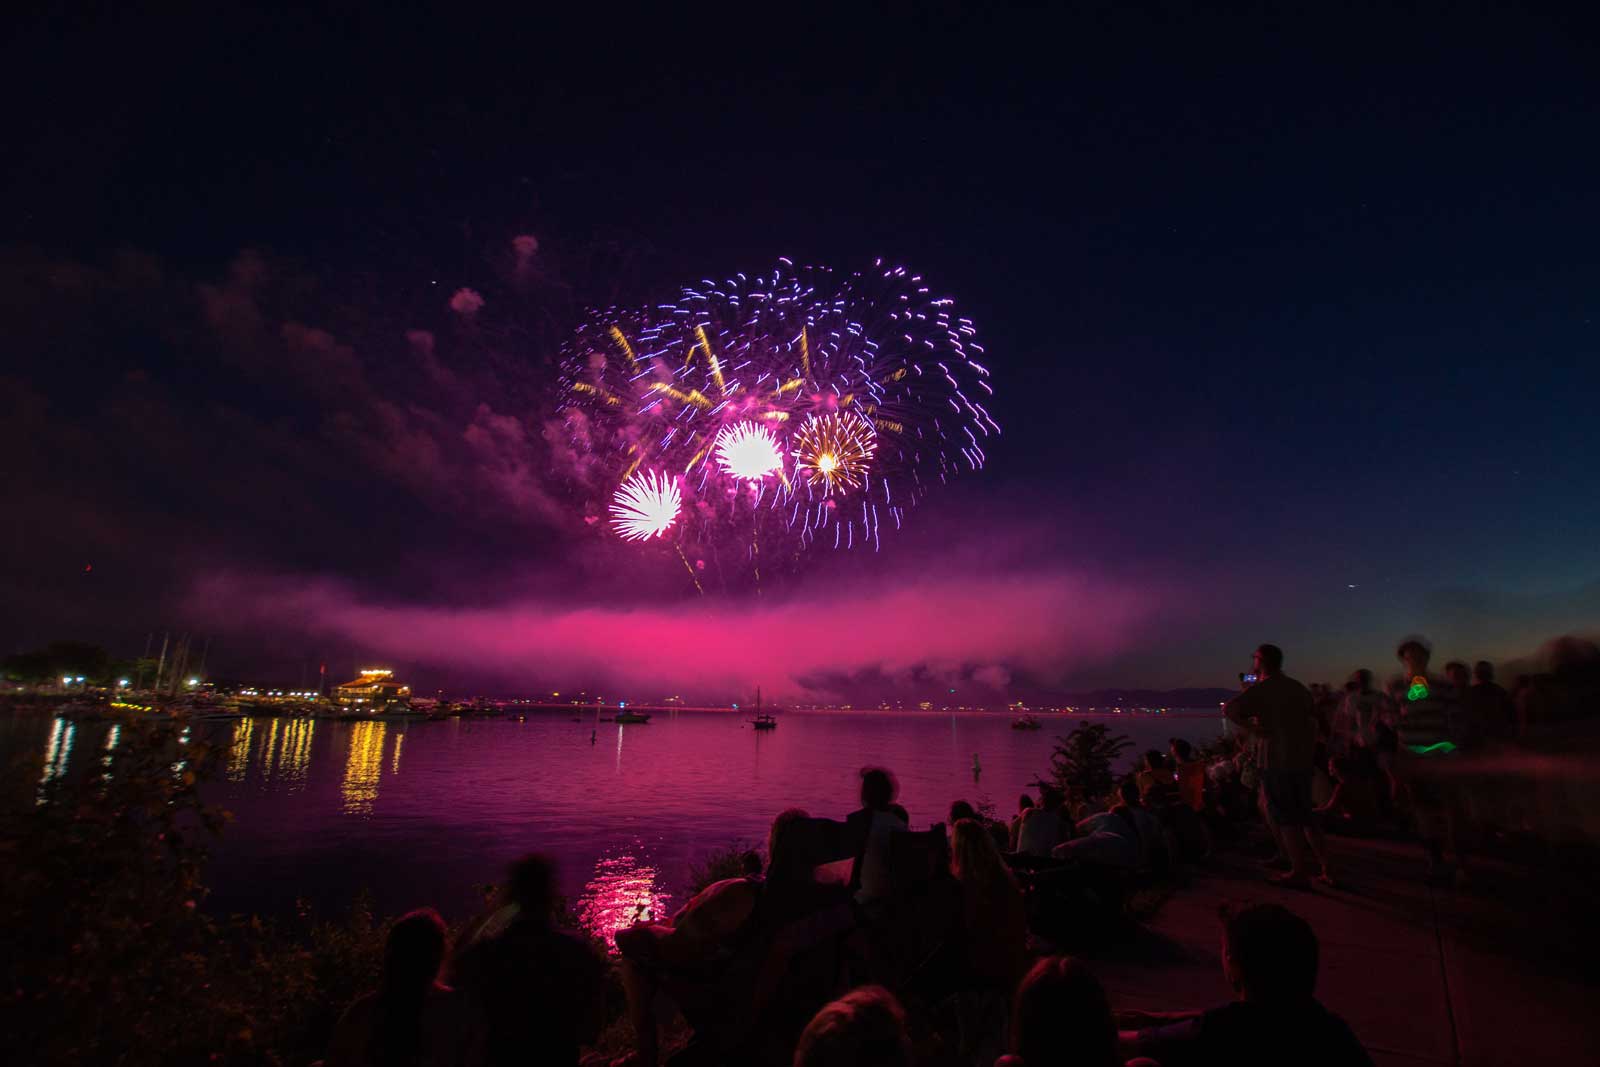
[[1191, 772], [1043, 827], [868, 829], [727, 953], [864, 1028], [1353, 807], [995, 920], [998, 831], [412, 1019], [1269, 955], [1158, 780], [1061, 1015], [1175, 793], [538, 987], [1024, 805], [1127, 837]]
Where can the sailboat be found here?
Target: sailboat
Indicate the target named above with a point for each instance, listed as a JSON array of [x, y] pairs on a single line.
[[636, 718], [762, 722]]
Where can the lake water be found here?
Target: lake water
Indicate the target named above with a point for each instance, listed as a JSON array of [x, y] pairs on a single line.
[[423, 812]]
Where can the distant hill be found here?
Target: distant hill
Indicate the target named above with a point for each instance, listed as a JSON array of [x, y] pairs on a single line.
[[1138, 698]]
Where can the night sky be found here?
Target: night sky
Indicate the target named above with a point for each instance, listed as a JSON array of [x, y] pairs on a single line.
[[1293, 319]]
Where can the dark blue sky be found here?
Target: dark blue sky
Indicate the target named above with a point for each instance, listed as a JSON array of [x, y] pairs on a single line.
[[1280, 303]]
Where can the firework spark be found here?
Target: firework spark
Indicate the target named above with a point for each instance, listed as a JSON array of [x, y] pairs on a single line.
[[834, 452], [645, 506], [748, 451]]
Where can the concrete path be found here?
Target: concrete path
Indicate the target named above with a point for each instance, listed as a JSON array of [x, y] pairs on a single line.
[[1503, 973]]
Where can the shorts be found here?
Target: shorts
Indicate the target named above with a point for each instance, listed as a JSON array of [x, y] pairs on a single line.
[[1288, 796]]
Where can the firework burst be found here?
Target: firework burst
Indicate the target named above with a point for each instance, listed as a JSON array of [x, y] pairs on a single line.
[[833, 452], [748, 451], [645, 506], [790, 408]]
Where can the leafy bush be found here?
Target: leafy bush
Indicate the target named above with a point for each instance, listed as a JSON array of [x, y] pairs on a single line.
[[111, 956], [725, 862], [1081, 765]]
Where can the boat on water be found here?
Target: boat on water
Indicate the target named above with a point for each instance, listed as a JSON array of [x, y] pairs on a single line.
[[1026, 722], [637, 718], [762, 721]]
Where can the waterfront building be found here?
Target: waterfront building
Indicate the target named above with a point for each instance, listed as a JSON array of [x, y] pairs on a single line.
[[375, 690]]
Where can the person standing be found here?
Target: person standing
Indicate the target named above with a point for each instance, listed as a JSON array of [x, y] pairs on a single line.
[[413, 1020], [1430, 714], [1279, 710], [541, 989], [1353, 722], [1491, 706]]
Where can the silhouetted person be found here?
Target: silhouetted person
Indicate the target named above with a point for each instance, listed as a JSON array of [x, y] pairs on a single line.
[[1191, 773], [1043, 827], [1024, 805], [1353, 806], [1429, 716], [869, 829], [998, 832], [1158, 779], [1126, 837], [734, 958], [1269, 955], [995, 920], [412, 1019], [1061, 1016], [864, 1028], [1279, 710], [1466, 731], [1354, 724], [1490, 705], [540, 988], [960, 809]]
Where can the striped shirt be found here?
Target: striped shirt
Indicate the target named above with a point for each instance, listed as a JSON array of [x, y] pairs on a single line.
[[1428, 714]]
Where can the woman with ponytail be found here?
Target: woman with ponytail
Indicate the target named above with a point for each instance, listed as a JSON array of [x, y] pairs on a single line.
[[413, 1020]]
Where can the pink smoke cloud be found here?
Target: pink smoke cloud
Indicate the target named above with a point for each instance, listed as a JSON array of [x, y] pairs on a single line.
[[466, 302], [977, 627]]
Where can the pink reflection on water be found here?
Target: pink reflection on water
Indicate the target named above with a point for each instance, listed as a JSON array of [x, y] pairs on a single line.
[[623, 891]]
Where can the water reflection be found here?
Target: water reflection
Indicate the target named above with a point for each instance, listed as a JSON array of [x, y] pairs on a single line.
[[294, 756], [269, 751], [113, 735], [363, 766], [399, 739], [57, 751], [239, 749], [623, 891]]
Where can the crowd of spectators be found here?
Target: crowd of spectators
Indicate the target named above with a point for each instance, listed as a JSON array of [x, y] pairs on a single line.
[[861, 941]]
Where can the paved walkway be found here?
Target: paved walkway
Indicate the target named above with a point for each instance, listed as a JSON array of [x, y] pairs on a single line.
[[1504, 973]]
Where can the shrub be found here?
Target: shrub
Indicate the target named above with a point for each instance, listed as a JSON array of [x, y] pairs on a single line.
[[1081, 765]]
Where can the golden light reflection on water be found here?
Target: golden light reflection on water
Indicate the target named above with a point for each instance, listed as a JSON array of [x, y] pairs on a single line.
[[269, 750], [239, 750], [399, 739], [113, 735], [294, 755], [363, 766], [57, 751], [622, 892]]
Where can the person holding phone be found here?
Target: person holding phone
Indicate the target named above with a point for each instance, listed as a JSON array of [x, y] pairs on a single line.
[[1280, 711]]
